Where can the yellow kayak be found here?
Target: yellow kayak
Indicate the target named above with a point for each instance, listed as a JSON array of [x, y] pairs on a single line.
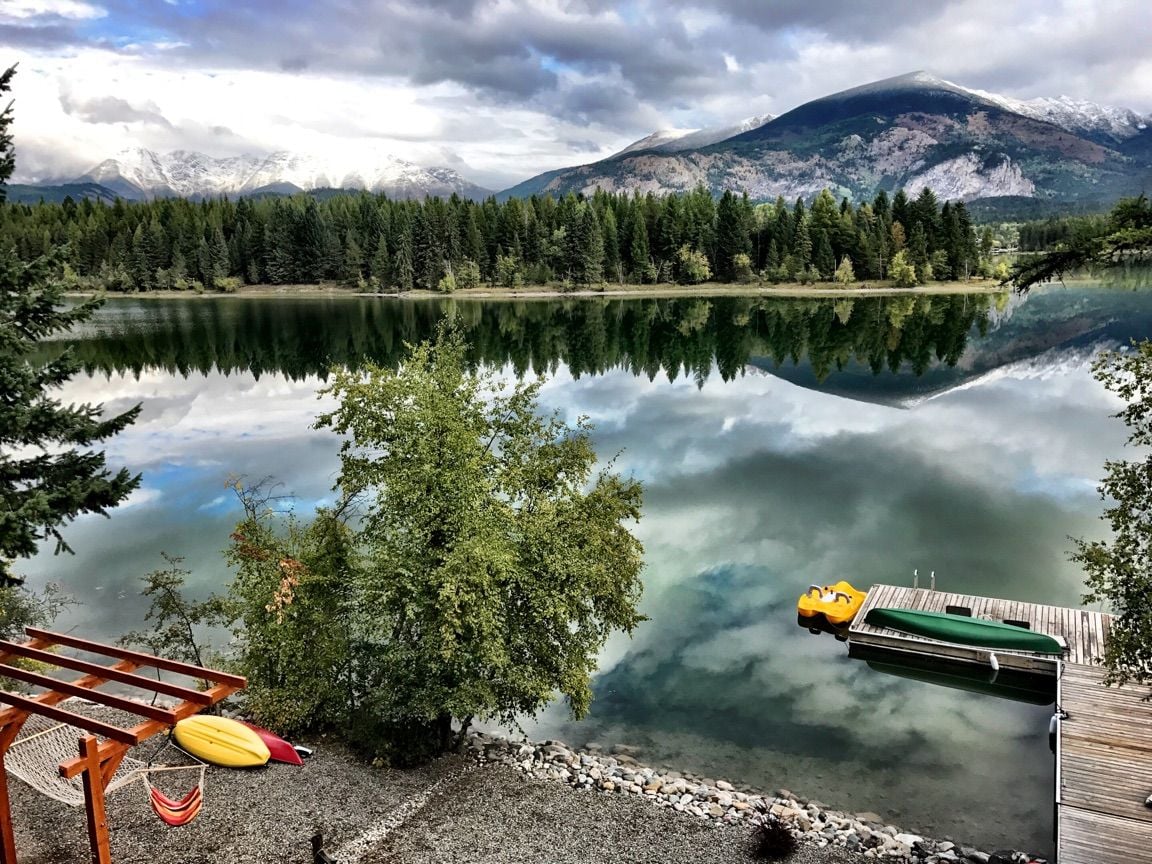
[[221, 741], [838, 603]]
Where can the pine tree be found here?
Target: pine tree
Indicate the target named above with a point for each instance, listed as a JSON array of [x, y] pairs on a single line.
[[49, 473], [823, 258], [731, 236], [803, 247], [612, 268], [403, 270], [638, 248]]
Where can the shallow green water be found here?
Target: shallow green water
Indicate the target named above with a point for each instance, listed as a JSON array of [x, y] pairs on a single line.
[[782, 442]]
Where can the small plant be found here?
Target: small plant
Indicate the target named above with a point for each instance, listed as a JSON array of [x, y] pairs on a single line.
[[772, 839]]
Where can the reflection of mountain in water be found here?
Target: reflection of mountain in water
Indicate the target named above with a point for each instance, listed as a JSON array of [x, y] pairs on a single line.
[[1052, 327], [923, 343]]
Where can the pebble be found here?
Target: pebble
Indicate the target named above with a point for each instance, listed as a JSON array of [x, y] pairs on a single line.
[[615, 770]]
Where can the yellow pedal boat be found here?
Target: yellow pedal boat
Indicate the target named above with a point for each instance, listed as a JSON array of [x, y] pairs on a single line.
[[838, 603]]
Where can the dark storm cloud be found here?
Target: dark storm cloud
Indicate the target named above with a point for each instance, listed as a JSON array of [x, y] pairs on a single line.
[[851, 20], [513, 53]]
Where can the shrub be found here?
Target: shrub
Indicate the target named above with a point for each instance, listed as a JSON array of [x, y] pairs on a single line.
[[772, 839]]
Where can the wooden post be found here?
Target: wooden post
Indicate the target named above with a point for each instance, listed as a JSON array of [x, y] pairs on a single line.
[[94, 801], [7, 835]]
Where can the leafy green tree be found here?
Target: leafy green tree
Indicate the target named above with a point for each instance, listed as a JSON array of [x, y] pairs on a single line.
[[49, 471], [902, 274], [178, 623], [803, 247], [845, 275], [1119, 572], [694, 267], [495, 564], [301, 637], [508, 273]]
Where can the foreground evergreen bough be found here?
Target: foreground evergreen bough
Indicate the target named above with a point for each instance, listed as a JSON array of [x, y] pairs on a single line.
[[50, 472]]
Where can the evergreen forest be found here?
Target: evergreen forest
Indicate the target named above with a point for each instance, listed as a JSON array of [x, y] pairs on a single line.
[[378, 244]]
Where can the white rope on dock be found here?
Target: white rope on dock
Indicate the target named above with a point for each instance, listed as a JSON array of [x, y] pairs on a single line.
[[354, 850]]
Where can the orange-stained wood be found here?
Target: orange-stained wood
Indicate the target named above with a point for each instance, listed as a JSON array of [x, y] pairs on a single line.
[[94, 802], [137, 657], [7, 834], [146, 730], [97, 727], [97, 762], [163, 715], [119, 672]]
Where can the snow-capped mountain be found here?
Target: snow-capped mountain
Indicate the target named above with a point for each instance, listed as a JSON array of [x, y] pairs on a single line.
[[142, 173], [678, 140], [1083, 118]]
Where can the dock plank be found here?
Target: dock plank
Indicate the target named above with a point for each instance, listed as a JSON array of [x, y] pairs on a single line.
[[1087, 837], [1105, 744]]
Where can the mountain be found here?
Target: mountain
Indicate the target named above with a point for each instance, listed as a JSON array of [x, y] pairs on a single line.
[[678, 140], [142, 173], [22, 193], [911, 131]]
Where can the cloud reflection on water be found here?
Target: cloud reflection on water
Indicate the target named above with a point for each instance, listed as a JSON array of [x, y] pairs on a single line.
[[755, 487]]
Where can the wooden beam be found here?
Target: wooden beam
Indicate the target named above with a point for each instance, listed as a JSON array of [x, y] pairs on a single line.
[[96, 727], [100, 673], [163, 715], [73, 767], [94, 802], [137, 657]]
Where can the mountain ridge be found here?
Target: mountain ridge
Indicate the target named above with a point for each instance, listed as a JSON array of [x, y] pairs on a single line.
[[142, 173], [912, 130]]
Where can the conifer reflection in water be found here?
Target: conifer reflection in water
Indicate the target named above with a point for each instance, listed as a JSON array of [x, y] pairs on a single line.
[[681, 336]]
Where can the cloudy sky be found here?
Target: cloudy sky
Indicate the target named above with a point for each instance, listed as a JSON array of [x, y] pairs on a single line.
[[503, 89]]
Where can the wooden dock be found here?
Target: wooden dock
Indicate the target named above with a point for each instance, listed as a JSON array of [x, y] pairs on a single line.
[[1104, 745], [1082, 630]]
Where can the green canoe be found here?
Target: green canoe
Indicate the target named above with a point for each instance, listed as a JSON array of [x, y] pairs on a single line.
[[963, 630]]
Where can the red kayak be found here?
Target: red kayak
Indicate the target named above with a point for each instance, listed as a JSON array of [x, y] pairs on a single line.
[[279, 750]]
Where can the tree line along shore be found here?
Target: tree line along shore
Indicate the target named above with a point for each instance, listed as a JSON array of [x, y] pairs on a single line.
[[375, 244]]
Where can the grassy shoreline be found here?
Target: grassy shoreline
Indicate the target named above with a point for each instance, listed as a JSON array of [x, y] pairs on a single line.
[[488, 292]]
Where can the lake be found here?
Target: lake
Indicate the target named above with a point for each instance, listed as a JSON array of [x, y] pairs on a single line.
[[781, 442]]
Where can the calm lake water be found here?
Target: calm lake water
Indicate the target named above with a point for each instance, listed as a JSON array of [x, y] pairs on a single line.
[[781, 442]]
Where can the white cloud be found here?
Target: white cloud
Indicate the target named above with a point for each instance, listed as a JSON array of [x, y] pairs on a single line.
[[26, 10], [503, 90]]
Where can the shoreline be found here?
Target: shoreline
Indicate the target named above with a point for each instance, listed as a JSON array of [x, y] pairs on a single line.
[[618, 773], [661, 291], [498, 802]]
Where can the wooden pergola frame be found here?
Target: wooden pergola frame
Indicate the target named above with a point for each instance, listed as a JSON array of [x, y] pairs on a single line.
[[97, 761]]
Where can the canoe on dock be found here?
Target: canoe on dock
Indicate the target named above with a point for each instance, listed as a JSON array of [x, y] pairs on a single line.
[[963, 630]]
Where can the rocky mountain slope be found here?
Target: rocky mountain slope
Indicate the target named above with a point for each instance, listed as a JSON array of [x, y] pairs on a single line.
[[911, 131], [142, 173]]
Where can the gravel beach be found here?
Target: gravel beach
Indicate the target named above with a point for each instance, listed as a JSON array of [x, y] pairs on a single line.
[[487, 814]]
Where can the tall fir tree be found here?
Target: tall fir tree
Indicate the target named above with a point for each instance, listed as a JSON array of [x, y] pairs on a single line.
[[49, 471]]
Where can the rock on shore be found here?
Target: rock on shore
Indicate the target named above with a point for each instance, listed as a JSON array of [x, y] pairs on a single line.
[[721, 803]]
